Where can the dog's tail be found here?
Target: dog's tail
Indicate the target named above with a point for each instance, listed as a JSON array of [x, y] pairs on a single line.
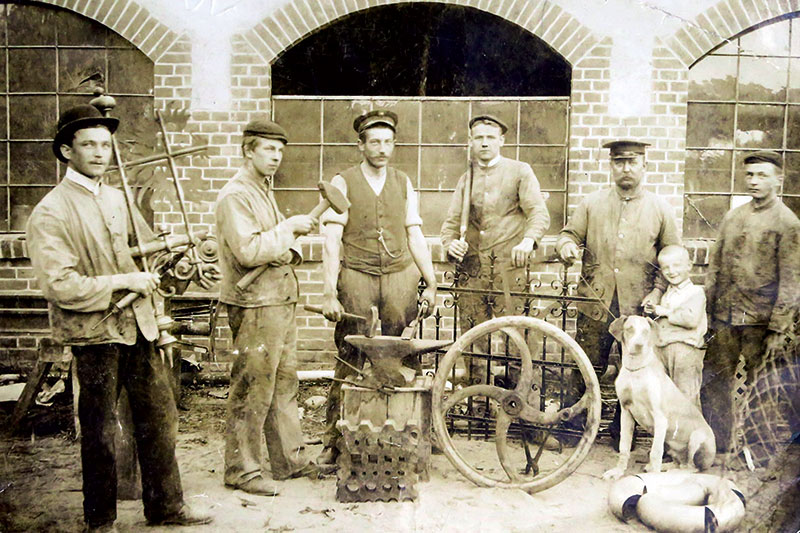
[[702, 449]]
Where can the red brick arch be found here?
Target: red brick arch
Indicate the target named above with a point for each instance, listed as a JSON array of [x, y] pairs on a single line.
[[723, 21], [299, 18], [129, 19]]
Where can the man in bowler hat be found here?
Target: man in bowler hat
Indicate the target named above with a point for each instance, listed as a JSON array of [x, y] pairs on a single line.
[[79, 239]]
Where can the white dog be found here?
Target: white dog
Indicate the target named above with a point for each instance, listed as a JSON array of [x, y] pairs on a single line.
[[649, 396]]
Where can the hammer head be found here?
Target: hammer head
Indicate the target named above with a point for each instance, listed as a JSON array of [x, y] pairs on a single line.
[[373, 323], [334, 196]]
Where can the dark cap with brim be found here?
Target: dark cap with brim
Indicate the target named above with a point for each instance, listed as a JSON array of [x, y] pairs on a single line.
[[626, 148], [261, 127], [377, 117], [764, 156], [489, 118], [78, 118]]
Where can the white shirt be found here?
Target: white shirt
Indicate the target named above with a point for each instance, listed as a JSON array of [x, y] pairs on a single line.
[[93, 186]]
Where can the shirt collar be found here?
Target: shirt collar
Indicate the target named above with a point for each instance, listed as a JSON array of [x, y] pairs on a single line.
[[252, 176], [772, 201], [93, 186], [682, 285], [629, 195], [491, 163]]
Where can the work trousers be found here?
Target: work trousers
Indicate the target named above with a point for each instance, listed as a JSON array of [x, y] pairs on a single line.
[[263, 394], [719, 373], [395, 296], [476, 308], [593, 336], [102, 370], [684, 365]]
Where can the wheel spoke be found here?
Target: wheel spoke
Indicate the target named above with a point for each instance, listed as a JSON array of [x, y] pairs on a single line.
[[488, 391], [526, 370], [501, 443]]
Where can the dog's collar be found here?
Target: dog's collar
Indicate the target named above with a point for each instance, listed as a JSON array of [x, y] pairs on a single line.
[[634, 369]]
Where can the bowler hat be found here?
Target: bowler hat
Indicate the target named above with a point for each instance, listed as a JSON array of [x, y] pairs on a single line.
[[764, 156], [489, 118], [77, 118], [377, 117], [262, 127]]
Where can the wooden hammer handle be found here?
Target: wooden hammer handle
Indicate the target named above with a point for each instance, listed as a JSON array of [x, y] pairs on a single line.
[[318, 309], [320, 208]]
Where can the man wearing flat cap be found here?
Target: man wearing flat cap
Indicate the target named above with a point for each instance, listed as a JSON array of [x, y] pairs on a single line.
[[507, 218], [382, 251], [263, 392], [617, 234], [753, 288], [79, 238]]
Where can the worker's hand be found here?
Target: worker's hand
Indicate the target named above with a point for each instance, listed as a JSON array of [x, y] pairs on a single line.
[[301, 224], [652, 299], [522, 252], [284, 259], [775, 343], [458, 249], [332, 309], [208, 274], [660, 310], [428, 296], [142, 282], [569, 252]]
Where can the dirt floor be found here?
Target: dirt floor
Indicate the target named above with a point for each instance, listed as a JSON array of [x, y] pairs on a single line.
[[40, 487]]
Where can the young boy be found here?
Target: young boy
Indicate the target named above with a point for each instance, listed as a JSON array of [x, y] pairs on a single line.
[[682, 322]]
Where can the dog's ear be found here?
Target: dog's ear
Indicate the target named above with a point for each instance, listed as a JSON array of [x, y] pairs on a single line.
[[616, 327], [653, 329]]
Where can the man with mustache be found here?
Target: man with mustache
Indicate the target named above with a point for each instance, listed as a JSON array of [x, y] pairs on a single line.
[[753, 288], [382, 251], [620, 229]]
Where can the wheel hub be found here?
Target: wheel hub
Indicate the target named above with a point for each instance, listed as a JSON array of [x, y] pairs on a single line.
[[513, 404]]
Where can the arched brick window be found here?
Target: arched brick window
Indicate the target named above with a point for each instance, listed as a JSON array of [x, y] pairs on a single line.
[[743, 96], [52, 59], [437, 66]]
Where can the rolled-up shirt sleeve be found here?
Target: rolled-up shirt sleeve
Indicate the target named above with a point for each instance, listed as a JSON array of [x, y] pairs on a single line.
[[55, 264], [250, 245], [329, 215], [412, 206]]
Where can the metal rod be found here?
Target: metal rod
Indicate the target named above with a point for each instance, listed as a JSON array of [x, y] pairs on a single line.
[[178, 189], [157, 158]]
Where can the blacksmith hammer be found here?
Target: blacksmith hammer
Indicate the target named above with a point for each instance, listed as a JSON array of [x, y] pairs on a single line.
[[330, 196], [372, 323]]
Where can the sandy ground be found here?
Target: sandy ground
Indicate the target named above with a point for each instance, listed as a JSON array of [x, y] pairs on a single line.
[[40, 489]]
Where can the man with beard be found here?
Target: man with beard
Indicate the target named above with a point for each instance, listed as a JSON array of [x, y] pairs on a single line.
[[617, 233]]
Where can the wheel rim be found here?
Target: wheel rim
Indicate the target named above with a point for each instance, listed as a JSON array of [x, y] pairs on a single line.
[[512, 403]]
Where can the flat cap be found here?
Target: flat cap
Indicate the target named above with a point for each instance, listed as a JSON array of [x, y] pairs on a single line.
[[489, 118], [261, 127], [764, 156], [625, 148], [377, 117]]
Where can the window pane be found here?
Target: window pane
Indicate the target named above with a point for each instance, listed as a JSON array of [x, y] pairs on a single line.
[[299, 168], [770, 40], [794, 78], [708, 171], [793, 203], [81, 70], [32, 117], [697, 208], [135, 117], [300, 118], [129, 72], [504, 110], [760, 126], [555, 206], [762, 79], [23, 200], [405, 160], [791, 182], [33, 70], [713, 78], [3, 123], [29, 24], [338, 116], [795, 37], [113, 39], [793, 125], [711, 125], [75, 30], [32, 163], [296, 202], [3, 209], [543, 122], [548, 163], [433, 210], [335, 159], [3, 174], [445, 122], [407, 120], [442, 166]]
